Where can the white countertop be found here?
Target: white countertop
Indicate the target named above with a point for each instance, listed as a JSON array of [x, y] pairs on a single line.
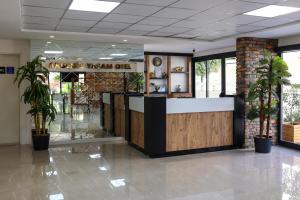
[[193, 105], [136, 104], [106, 98]]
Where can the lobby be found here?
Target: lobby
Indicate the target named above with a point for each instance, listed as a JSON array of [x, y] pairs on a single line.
[[150, 99]]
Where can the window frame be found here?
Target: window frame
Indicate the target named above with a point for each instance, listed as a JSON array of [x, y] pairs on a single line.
[[280, 51], [222, 57]]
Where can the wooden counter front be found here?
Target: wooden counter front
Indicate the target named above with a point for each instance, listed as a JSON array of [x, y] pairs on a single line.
[[119, 115], [107, 117], [186, 131], [137, 128]]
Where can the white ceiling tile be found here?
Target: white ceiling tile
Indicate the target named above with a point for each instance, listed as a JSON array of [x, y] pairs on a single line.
[[293, 16], [83, 15], [133, 32], [175, 13], [43, 12], [158, 21], [140, 27], [187, 24], [71, 22], [199, 5], [243, 19], [122, 18], [248, 28], [265, 1], [160, 34], [152, 2], [40, 20], [295, 3], [39, 27], [272, 22], [104, 30], [72, 28], [134, 9], [47, 3], [112, 25], [173, 29]]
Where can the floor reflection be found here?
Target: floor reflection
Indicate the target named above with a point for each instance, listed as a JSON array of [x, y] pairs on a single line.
[[117, 171]]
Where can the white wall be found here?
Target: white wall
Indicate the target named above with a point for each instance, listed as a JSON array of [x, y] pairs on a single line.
[[21, 48], [289, 40]]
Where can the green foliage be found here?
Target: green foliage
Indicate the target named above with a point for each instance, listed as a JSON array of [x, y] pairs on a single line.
[[37, 93], [136, 80], [262, 96], [213, 66], [291, 100]]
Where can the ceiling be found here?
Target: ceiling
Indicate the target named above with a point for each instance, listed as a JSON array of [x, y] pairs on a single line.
[[13, 26], [86, 51], [191, 19]]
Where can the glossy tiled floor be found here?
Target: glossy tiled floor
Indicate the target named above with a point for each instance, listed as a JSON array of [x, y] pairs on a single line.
[[117, 171]]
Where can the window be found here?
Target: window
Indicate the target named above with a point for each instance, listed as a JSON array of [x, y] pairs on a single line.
[[230, 76], [215, 75]]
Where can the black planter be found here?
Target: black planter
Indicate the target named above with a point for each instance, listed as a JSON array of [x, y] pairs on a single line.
[[40, 142], [262, 144]]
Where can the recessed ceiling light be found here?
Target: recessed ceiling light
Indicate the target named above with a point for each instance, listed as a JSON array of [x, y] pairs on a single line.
[[113, 45], [124, 40], [53, 52], [49, 42], [93, 5], [118, 54], [51, 36], [43, 58], [272, 11], [105, 58]]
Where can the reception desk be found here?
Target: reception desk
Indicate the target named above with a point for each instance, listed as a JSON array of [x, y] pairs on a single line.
[[162, 127]]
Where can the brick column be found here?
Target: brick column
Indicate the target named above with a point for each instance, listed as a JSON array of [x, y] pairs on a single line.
[[249, 51]]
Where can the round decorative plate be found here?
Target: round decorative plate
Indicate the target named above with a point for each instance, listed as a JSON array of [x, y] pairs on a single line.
[[157, 61]]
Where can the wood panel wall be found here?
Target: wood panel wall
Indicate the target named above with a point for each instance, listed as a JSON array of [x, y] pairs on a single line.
[[119, 121], [199, 130], [137, 128], [107, 114]]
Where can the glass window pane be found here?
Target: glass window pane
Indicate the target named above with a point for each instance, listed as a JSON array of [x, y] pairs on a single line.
[[291, 98], [215, 77], [200, 80], [230, 69], [54, 82]]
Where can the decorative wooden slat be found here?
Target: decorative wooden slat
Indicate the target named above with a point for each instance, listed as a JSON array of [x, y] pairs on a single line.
[[119, 114], [137, 128], [199, 130]]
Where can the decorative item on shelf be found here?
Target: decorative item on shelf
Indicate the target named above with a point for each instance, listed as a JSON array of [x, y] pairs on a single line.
[[158, 72], [178, 69], [155, 87], [157, 61], [263, 99], [178, 88], [164, 75], [151, 74]]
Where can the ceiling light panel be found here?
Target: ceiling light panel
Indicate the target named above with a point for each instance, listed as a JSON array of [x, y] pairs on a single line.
[[272, 11], [93, 5]]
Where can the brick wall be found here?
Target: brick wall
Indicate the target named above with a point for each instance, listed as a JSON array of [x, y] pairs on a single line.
[[249, 51]]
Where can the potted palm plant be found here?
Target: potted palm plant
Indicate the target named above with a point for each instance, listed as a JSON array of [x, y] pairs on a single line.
[[136, 80], [291, 125], [37, 95], [263, 98]]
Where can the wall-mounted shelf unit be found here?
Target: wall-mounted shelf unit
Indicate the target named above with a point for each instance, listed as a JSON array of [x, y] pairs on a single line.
[[169, 84]]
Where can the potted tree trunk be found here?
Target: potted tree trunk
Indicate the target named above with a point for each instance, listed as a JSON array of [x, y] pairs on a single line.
[[37, 95], [263, 99], [291, 125]]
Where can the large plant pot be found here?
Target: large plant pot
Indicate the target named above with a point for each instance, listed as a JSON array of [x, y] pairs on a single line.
[[291, 133], [40, 142], [262, 144]]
